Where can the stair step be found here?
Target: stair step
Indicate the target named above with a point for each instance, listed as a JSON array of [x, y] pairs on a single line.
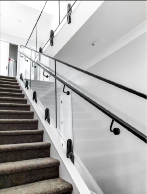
[[13, 100], [9, 86], [7, 77], [11, 94], [14, 114], [23, 136], [9, 82], [50, 186], [24, 151], [18, 124], [13, 106], [28, 171], [10, 90]]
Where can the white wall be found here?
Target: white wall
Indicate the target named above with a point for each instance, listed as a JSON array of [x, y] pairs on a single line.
[[4, 58], [79, 17]]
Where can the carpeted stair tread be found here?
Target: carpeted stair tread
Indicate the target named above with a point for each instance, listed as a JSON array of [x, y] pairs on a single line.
[[9, 82], [25, 165], [22, 132], [50, 186], [13, 100], [23, 146], [14, 106], [11, 94], [9, 86], [10, 90], [12, 121], [7, 77], [18, 124], [21, 136], [16, 112]]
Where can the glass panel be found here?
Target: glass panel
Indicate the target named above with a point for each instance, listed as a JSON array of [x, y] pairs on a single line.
[[73, 122], [44, 85]]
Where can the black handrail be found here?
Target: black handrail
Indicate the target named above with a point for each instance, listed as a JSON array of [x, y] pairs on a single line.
[[95, 104], [97, 77], [36, 23]]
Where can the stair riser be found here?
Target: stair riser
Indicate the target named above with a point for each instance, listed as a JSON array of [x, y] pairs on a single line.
[[30, 176], [8, 80], [18, 155], [24, 101], [24, 108], [18, 126], [5, 139], [16, 116], [12, 95], [7, 77], [9, 86], [9, 90]]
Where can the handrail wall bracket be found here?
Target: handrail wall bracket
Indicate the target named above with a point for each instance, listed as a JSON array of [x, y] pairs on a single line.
[[68, 92], [116, 131]]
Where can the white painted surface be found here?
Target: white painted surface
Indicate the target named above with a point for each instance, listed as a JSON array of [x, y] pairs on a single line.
[[18, 20], [4, 58], [79, 17], [108, 24]]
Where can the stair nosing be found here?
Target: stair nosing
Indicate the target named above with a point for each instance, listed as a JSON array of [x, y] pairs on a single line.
[[21, 132], [13, 104], [16, 112], [27, 165], [67, 189], [18, 120]]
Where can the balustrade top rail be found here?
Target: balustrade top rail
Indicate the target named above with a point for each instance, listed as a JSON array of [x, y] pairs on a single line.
[[95, 104]]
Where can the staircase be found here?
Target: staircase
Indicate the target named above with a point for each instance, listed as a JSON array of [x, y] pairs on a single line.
[[25, 163]]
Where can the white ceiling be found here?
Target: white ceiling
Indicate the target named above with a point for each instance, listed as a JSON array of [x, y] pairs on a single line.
[[112, 21], [18, 19]]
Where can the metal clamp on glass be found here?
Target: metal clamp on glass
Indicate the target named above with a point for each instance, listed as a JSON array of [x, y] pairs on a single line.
[[68, 92], [35, 96], [47, 115], [69, 11], [27, 85], [69, 151], [21, 77], [116, 131], [51, 37]]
